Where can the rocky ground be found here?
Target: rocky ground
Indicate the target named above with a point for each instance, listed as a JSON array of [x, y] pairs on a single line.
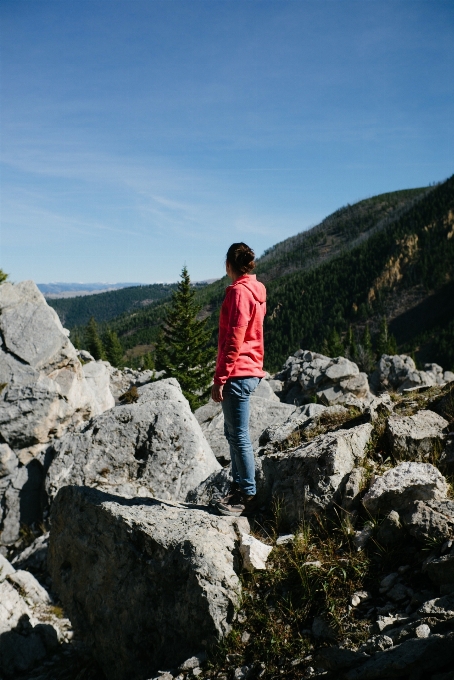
[[346, 571]]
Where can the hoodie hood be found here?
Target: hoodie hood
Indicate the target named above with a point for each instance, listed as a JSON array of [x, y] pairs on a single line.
[[250, 282]]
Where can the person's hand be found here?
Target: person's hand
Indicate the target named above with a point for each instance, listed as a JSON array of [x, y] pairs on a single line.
[[216, 393]]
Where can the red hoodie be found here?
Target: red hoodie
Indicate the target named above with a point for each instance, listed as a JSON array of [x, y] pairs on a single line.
[[240, 345]]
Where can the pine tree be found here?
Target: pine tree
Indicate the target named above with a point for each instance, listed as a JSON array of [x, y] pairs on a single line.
[[3, 276], [182, 350], [386, 343], [148, 362], [350, 344], [113, 349], [93, 341], [335, 346]]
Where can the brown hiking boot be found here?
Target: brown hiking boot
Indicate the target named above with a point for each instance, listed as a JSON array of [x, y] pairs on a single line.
[[236, 504]]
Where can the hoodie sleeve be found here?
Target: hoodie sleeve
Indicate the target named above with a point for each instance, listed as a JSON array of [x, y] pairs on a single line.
[[240, 307]]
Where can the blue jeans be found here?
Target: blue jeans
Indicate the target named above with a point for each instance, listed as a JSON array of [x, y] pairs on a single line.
[[235, 406]]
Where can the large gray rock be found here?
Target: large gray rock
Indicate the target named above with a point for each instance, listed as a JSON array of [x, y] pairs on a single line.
[[402, 485], [21, 495], [264, 412], [29, 629], [441, 570], [97, 375], [430, 519], [398, 372], [147, 584], [419, 437], [311, 477], [284, 434], [420, 656], [333, 381], [154, 447], [45, 390]]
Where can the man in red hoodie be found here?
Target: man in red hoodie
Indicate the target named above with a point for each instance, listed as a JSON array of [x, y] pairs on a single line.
[[239, 369]]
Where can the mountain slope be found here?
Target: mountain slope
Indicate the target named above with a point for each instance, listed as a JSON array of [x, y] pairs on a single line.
[[391, 255]]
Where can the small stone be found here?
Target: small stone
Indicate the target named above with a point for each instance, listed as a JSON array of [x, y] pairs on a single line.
[[355, 600], [284, 539], [362, 537], [254, 552], [241, 673], [403, 569], [399, 592], [422, 631], [192, 662], [388, 581], [316, 564], [296, 662], [245, 637], [197, 671], [241, 617], [322, 629], [378, 643]]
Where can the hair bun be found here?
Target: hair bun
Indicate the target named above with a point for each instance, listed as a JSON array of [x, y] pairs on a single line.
[[241, 258]]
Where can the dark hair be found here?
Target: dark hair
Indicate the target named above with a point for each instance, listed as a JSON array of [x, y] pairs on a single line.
[[241, 258]]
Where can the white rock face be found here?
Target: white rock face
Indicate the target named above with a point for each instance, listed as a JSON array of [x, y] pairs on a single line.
[[29, 629], [307, 374], [143, 581], [254, 552], [402, 485], [45, 389], [416, 437], [264, 412], [398, 372], [154, 447], [97, 375], [309, 478]]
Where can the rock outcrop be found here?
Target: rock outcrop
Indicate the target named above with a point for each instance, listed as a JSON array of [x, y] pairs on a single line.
[[417, 438], [400, 486], [29, 628], [311, 477], [332, 381], [153, 447], [43, 393], [398, 372], [146, 583]]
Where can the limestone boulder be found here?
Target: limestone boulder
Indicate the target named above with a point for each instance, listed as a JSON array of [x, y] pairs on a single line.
[[399, 487], [29, 629], [97, 375], [412, 658], [419, 437], [147, 584], [311, 477], [333, 381], [430, 519], [264, 413], [441, 570], [44, 390], [22, 500], [283, 434], [154, 447], [392, 371]]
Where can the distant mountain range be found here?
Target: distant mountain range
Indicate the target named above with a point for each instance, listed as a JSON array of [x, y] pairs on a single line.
[[68, 290], [389, 256]]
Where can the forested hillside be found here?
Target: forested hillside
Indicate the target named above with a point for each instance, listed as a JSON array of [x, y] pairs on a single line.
[[401, 269], [388, 258], [106, 306]]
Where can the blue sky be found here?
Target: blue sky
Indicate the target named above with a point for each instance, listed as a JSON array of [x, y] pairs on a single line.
[[139, 136]]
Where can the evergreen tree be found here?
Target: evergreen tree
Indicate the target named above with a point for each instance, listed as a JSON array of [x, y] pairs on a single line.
[[93, 341], [3, 276], [182, 350], [148, 362], [364, 354], [113, 348], [386, 343], [350, 344], [75, 339], [335, 345]]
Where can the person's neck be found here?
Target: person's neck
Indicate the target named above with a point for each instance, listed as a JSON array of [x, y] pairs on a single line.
[[235, 277]]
